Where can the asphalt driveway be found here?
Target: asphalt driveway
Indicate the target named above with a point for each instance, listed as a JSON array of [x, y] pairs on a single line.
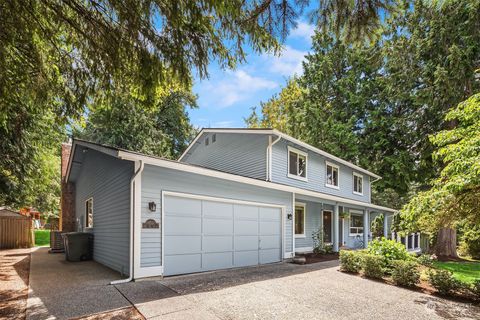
[[278, 291]]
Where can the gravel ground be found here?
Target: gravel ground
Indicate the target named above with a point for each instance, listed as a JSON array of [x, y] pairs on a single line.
[[14, 274]]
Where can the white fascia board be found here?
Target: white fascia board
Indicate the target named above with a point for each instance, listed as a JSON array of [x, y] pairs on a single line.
[[175, 165]]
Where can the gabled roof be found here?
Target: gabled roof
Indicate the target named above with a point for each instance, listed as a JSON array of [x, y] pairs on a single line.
[[274, 132], [185, 167]]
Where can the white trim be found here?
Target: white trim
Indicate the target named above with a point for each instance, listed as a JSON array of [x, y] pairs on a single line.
[[286, 137], [267, 158], [304, 206], [270, 165], [355, 174], [357, 213], [301, 153], [328, 163], [303, 250], [218, 199], [175, 165], [86, 215]]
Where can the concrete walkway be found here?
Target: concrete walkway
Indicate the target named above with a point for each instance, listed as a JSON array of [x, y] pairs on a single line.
[[59, 289]]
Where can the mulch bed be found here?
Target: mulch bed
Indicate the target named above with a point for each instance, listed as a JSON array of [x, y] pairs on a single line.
[[314, 258]]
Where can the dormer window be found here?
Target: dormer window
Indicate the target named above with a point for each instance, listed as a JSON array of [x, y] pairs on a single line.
[[332, 175], [297, 164]]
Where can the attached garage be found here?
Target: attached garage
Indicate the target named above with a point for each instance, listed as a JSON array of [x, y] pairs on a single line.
[[208, 233]]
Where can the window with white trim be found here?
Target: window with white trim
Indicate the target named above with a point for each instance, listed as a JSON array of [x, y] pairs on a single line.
[[300, 220], [357, 183], [332, 175], [89, 213], [297, 164], [356, 224]]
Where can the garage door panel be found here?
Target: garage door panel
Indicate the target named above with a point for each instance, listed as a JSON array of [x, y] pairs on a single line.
[[246, 227], [245, 212], [246, 243], [269, 214], [218, 260], [178, 264], [217, 209], [245, 258], [183, 244], [217, 226], [270, 228], [269, 255], [183, 206], [270, 242], [217, 243], [208, 235], [182, 226]]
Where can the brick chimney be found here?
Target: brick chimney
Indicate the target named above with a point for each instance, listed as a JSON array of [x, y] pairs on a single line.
[[67, 202]]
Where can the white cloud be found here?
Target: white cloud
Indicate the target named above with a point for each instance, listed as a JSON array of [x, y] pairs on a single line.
[[303, 30], [288, 63], [232, 87]]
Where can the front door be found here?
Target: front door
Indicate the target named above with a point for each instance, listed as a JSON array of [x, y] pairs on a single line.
[[327, 226]]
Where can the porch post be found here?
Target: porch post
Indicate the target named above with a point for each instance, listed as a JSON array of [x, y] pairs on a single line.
[[335, 228], [366, 227], [385, 225]]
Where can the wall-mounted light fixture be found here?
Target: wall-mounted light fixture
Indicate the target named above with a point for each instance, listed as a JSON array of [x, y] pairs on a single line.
[[289, 216], [152, 206]]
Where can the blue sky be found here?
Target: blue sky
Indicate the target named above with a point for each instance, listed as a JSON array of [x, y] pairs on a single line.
[[226, 97]]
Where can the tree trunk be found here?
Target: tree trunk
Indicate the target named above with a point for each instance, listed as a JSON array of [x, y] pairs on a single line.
[[446, 245]]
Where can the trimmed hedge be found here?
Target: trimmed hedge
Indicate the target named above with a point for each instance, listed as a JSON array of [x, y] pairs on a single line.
[[350, 261], [405, 273], [372, 266]]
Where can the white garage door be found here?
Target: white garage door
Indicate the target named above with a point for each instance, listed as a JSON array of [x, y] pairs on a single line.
[[202, 235]]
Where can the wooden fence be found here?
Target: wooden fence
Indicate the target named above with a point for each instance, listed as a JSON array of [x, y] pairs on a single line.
[[16, 232]]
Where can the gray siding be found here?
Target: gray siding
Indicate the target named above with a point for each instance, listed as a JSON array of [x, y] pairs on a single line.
[[316, 174], [242, 154], [157, 179], [107, 180]]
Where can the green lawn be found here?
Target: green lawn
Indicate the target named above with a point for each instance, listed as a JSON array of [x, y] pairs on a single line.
[[464, 271], [42, 238]]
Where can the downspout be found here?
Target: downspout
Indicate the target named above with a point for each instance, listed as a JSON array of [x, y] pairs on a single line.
[[269, 152], [132, 224]]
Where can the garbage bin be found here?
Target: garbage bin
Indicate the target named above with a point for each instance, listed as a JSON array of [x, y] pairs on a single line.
[[78, 246]]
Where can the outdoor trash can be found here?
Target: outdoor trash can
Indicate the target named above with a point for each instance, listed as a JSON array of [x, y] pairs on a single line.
[[78, 246]]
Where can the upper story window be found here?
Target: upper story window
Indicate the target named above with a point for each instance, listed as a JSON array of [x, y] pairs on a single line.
[[357, 183], [297, 164], [332, 175], [89, 213]]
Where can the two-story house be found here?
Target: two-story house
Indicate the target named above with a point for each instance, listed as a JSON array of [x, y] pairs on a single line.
[[236, 197]]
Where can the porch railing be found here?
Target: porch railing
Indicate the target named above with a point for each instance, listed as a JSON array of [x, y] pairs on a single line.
[[411, 241]]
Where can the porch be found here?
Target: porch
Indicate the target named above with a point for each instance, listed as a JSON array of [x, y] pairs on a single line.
[[343, 225]]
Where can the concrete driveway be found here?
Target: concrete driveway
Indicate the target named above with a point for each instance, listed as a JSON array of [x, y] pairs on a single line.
[[278, 291]]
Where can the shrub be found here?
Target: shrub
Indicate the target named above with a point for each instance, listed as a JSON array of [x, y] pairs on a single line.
[[372, 266], [443, 281], [389, 250], [350, 261], [318, 244], [470, 243], [405, 273], [426, 260], [328, 248], [476, 288]]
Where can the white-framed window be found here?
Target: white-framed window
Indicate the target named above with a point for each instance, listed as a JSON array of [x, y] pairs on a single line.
[[357, 183], [332, 174], [297, 164], [356, 224], [89, 213], [300, 214]]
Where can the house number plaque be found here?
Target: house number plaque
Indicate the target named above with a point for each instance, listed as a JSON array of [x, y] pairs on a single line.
[[150, 224]]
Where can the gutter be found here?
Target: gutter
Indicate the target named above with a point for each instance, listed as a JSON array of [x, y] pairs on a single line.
[[132, 223], [269, 152]]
